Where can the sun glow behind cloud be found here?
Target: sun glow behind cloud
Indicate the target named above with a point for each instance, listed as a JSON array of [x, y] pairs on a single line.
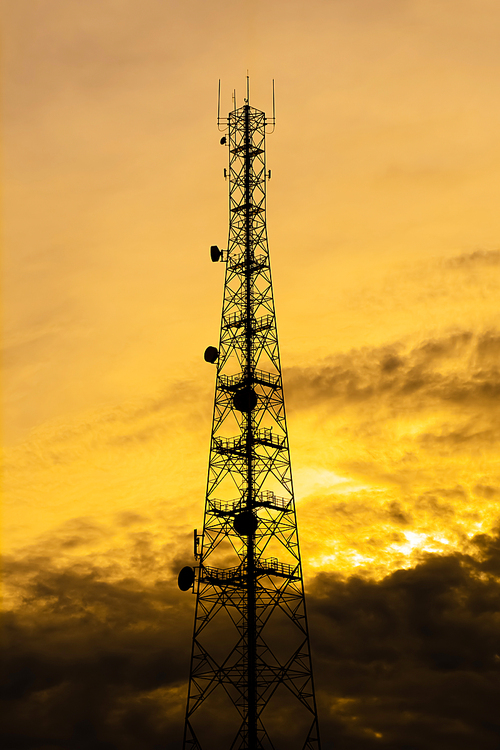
[[309, 480]]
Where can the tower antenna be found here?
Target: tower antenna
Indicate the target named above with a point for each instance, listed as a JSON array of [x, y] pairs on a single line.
[[218, 105], [250, 639]]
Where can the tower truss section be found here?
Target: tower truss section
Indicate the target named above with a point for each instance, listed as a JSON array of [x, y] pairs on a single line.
[[251, 683]]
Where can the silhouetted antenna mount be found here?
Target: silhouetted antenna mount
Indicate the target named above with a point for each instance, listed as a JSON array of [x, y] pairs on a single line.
[[224, 120]]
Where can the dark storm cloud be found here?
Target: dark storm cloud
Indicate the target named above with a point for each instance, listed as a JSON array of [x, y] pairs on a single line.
[[413, 661], [88, 659], [460, 369], [410, 662]]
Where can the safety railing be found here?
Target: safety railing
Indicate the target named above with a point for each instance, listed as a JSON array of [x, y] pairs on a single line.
[[265, 436], [238, 445], [237, 575], [268, 499], [264, 499], [234, 320], [233, 382], [239, 262]]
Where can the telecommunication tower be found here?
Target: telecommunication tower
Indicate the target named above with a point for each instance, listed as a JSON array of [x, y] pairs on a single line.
[[251, 683]]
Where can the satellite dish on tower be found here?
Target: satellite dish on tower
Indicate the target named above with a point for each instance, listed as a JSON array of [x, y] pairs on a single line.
[[185, 579], [215, 253], [211, 354], [245, 399], [245, 524]]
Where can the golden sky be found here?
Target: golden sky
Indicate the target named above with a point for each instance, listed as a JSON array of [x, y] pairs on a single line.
[[385, 243]]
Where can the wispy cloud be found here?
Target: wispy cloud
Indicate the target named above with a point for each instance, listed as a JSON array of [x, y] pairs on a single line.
[[477, 258], [459, 368]]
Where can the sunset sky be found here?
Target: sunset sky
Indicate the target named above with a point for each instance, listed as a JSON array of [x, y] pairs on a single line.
[[384, 233]]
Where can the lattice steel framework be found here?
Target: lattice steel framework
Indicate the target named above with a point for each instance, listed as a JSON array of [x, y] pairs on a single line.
[[250, 638]]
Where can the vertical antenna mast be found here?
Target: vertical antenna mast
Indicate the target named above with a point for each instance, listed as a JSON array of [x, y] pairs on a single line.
[[251, 684]]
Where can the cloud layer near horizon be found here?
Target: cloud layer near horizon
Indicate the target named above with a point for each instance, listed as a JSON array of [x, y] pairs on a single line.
[[97, 655]]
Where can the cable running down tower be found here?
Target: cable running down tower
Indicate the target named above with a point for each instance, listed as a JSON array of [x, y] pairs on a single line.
[[250, 684]]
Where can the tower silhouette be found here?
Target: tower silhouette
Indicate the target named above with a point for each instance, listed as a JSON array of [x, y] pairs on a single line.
[[251, 683]]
